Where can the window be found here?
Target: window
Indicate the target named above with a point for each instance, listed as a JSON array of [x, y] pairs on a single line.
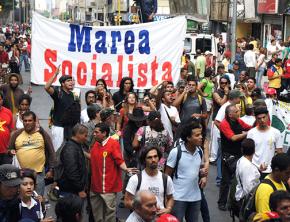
[[187, 45], [203, 44]]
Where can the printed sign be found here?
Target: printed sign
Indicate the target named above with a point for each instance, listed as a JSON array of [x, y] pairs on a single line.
[[148, 53]]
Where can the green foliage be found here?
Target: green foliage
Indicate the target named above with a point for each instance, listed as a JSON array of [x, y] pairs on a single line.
[[7, 5]]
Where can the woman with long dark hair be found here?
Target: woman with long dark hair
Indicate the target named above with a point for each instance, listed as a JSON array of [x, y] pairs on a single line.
[[130, 102], [126, 86], [104, 97]]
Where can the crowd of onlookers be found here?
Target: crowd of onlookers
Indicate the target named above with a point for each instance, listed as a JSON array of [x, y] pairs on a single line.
[[155, 149]]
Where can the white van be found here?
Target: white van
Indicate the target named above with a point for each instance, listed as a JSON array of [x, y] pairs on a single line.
[[204, 42]]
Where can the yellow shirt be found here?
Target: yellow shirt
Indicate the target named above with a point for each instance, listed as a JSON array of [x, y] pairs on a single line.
[[263, 195], [276, 83], [30, 151]]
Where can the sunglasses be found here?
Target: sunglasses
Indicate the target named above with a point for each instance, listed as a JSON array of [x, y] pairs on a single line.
[[223, 83]]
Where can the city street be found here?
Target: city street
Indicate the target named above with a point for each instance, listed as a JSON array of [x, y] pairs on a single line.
[[41, 104]]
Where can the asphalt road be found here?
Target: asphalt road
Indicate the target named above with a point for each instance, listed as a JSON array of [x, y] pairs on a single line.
[[41, 104]]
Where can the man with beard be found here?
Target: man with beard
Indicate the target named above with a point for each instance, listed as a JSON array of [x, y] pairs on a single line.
[[12, 93], [66, 108], [183, 164], [268, 140], [9, 187], [91, 98], [153, 180], [32, 141], [106, 180], [169, 113]]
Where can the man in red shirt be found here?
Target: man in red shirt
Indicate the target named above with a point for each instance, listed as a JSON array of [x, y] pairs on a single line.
[[233, 131], [286, 77], [3, 55], [106, 180], [6, 125]]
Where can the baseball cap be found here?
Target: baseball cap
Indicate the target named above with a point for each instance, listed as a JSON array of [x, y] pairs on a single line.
[[10, 175], [167, 218], [62, 79], [271, 91], [236, 62]]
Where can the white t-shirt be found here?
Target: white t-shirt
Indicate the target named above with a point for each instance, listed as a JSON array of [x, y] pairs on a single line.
[[247, 174], [84, 116], [221, 114], [172, 112], [153, 184], [250, 58], [250, 120], [271, 49], [266, 143]]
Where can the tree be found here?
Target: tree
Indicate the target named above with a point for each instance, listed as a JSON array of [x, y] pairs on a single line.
[[7, 5]]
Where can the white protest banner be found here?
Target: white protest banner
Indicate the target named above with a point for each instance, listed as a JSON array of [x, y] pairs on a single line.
[[281, 121], [148, 53]]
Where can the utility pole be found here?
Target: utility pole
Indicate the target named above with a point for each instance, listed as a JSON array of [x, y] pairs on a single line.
[[13, 12], [233, 31]]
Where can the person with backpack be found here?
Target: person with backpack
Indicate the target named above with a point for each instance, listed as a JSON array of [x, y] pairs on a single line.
[[154, 135], [66, 108], [191, 105], [183, 165], [153, 180], [233, 130], [247, 174], [275, 75], [280, 174]]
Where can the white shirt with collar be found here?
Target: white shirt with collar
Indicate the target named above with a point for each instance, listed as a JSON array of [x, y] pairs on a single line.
[[32, 204], [134, 217]]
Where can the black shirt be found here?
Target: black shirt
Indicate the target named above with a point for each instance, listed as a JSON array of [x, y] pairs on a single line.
[[62, 101], [118, 99]]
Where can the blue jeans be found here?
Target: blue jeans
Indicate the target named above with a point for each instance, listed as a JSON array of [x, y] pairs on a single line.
[[189, 210], [219, 164], [40, 183], [24, 58], [204, 208], [259, 76]]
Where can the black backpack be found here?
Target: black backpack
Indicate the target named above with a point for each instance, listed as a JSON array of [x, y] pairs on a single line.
[[72, 114], [179, 153], [58, 169], [164, 179], [248, 206]]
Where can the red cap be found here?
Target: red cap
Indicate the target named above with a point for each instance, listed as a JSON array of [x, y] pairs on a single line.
[[167, 218], [271, 91]]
